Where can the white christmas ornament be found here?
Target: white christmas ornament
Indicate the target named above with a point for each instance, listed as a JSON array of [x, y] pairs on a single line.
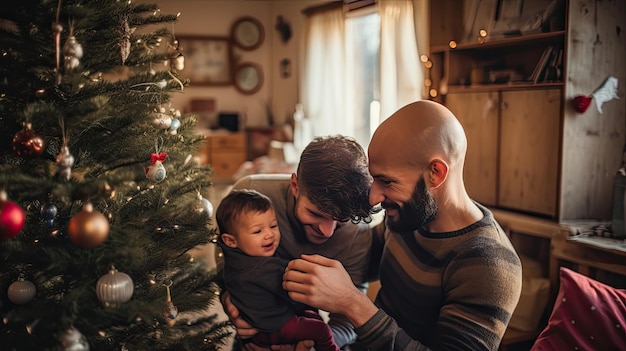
[[162, 121], [156, 170]]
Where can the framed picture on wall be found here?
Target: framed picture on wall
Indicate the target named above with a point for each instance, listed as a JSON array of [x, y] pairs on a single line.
[[208, 59]]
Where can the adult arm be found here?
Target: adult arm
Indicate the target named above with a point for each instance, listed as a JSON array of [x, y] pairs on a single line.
[[323, 283], [351, 246], [343, 331], [467, 320]]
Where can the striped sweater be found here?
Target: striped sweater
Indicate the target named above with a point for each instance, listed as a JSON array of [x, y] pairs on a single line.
[[444, 291]]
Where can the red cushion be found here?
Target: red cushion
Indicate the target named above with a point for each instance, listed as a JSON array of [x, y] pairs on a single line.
[[587, 315]]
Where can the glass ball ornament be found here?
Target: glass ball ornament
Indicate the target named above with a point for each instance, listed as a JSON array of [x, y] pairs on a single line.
[[207, 206], [174, 125], [12, 218], [73, 340], [27, 143], [48, 212], [88, 228], [114, 288], [21, 291], [161, 119], [178, 62]]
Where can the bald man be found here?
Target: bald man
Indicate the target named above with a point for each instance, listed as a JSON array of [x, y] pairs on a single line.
[[450, 278]]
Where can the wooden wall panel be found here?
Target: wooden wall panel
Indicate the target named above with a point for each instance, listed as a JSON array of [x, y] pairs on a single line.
[[593, 141]]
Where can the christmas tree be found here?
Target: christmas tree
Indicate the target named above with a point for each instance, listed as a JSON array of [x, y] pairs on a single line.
[[100, 195]]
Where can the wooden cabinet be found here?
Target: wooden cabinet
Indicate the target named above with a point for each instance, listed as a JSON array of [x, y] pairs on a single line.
[[225, 153], [603, 259], [513, 147], [479, 115], [529, 151]]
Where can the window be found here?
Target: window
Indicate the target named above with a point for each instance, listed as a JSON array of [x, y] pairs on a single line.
[[362, 55], [360, 68]]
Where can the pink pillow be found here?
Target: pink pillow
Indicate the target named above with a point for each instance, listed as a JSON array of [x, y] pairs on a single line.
[[587, 315]]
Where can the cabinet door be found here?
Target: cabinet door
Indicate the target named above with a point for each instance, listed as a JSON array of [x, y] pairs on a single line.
[[478, 113], [529, 152]]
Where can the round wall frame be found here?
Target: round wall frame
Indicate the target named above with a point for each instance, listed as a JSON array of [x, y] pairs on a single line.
[[248, 78], [247, 33]]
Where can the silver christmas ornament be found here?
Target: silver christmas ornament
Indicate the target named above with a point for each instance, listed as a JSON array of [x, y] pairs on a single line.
[[65, 161], [21, 291], [72, 53], [124, 41], [114, 288], [73, 340], [207, 206]]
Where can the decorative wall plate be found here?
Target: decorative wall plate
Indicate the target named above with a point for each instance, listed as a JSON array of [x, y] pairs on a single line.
[[247, 33], [248, 78]]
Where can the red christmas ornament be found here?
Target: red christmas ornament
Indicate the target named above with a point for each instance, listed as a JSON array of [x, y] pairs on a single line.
[[88, 228], [581, 103], [28, 143], [11, 218]]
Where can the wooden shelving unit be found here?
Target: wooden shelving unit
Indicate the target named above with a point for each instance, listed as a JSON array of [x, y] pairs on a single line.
[[529, 151]]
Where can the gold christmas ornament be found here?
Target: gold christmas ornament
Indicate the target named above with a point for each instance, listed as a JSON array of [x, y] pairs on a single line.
[[88, 228]]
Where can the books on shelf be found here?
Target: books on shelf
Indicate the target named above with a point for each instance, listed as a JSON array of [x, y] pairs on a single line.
[[541, 64], [548, 66]]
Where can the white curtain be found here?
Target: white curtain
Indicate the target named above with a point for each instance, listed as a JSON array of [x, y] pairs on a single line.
[[323, 83], [401, 71], [326, 94]]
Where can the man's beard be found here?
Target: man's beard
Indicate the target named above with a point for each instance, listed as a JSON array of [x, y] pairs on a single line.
[[415, 213]]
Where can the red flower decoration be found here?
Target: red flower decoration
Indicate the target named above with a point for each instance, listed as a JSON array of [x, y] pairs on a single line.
[[581, 103]]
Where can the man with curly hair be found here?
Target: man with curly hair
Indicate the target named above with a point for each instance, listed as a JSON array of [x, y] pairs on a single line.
[[323, 209]]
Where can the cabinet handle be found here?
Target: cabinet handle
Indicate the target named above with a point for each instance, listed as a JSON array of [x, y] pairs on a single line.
[[504, 105]]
